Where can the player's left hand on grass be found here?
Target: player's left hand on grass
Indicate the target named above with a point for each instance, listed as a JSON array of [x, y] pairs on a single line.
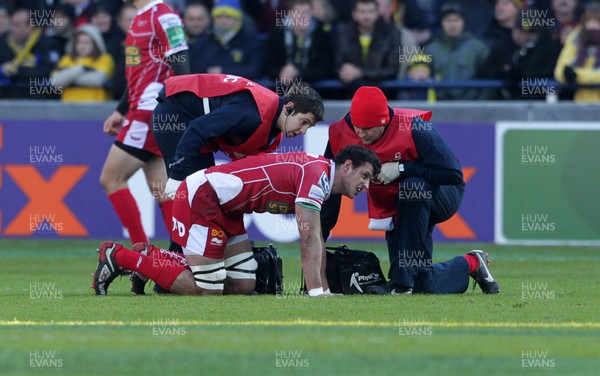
[[323, 295], [171, 187], [319, 293], [389, 172]]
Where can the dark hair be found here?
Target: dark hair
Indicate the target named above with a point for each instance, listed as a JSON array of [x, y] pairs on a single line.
[[305, 99], [96, 8], [358, 155], [192, 4], [67, 10], [356, 2], [451, 8]]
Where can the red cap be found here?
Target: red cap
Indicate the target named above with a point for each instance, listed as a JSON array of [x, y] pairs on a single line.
[[369, 108]]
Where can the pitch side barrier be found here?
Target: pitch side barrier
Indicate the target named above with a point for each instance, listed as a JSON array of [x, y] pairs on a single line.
[[529, 169], [531, 88]]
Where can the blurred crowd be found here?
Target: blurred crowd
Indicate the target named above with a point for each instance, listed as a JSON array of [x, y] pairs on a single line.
[[335, 45]]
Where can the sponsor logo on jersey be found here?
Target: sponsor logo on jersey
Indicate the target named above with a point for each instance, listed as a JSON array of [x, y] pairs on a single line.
[[133, 55], [217, 236], [316, 192], [275, 207], [171, 24], [324, 184], [216, 241]]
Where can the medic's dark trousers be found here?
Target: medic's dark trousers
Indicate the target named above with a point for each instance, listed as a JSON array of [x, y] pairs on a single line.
[[422, 205]]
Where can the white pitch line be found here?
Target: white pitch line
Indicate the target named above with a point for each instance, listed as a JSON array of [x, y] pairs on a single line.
[[309, 323]]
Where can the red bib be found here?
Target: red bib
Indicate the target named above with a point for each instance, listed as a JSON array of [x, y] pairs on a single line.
[[396, 144], [216, 85]]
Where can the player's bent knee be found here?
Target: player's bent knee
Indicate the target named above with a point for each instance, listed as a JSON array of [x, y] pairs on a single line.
[[242, 266], [241, 273], [184, 284], [209, 278]]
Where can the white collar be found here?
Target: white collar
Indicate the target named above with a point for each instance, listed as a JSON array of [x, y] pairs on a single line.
[[148, 6]]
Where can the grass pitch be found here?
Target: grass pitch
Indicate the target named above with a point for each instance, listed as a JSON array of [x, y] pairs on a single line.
[[545, 320]]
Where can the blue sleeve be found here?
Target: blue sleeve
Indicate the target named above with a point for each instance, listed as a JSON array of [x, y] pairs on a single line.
[[436, 162], [234, 114]]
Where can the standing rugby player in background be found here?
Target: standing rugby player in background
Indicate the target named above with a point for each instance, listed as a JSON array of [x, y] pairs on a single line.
[[155, 48]]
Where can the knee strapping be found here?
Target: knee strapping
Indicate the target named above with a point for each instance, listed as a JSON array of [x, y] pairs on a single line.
[[242, 266], [210, 277]]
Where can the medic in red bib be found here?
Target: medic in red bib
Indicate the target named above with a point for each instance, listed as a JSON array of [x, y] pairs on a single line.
[[202, 113], [420, 185]]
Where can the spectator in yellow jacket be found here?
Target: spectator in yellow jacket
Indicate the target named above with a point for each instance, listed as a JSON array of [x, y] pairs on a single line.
[[83, 72], [579, 60]]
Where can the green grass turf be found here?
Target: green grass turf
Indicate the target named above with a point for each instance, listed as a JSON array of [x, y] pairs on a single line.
[[547, 310]]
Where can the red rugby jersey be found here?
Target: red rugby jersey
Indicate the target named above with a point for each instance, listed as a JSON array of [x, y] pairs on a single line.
[[271, 183], [155, 34]]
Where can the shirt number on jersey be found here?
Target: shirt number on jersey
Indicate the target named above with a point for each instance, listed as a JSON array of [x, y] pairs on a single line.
[[179, 227]]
